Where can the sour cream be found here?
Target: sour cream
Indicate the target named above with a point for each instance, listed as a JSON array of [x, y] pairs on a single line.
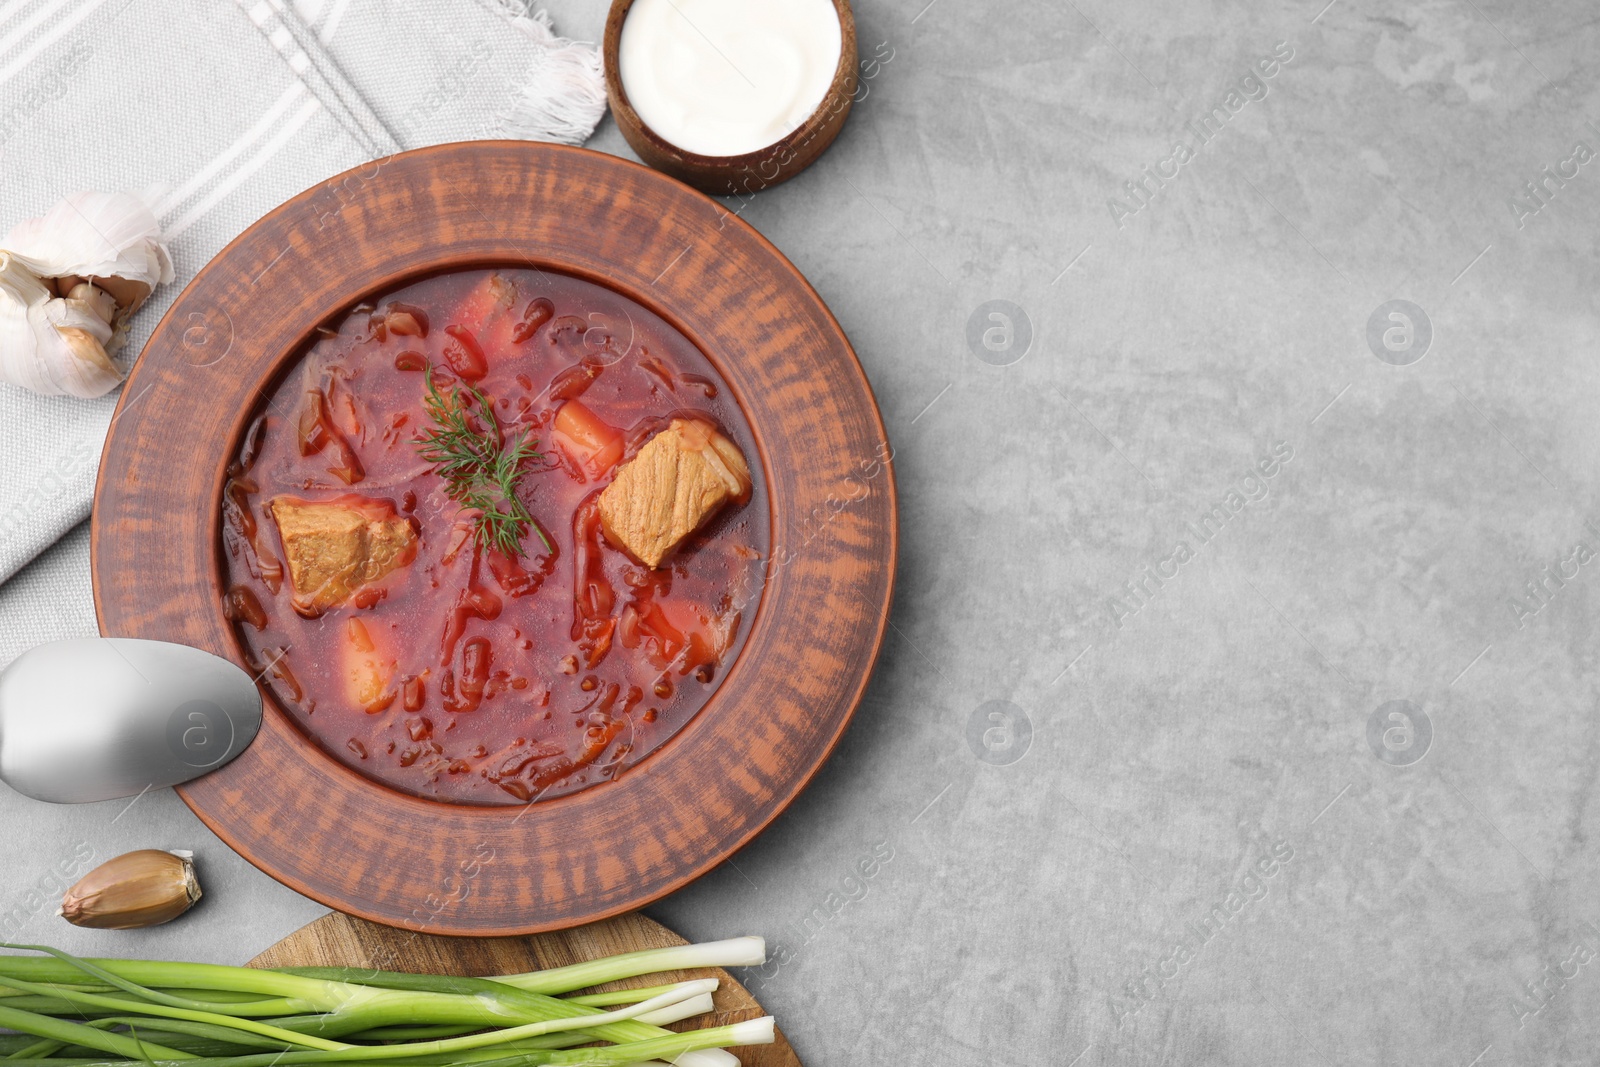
[[726, 77]]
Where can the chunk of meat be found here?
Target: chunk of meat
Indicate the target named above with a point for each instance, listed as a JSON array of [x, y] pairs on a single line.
[[335, 547], [679, 479]]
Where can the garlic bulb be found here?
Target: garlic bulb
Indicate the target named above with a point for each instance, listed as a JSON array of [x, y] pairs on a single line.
[[68, 283]]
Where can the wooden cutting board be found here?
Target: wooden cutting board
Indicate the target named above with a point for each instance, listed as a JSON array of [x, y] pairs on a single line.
[[338, 940]]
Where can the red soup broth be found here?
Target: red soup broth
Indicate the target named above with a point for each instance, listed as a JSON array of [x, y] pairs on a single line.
[[469, 674]]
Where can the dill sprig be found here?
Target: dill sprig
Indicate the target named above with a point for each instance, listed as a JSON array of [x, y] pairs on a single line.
[[480, 470]]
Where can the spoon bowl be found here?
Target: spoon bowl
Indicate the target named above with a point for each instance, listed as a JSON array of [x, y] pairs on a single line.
[[96, 718]]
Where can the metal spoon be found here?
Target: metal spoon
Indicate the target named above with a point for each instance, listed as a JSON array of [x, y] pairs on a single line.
[[95, 718]]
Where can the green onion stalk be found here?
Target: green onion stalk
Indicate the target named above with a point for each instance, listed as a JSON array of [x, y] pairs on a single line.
[[68, 1012]]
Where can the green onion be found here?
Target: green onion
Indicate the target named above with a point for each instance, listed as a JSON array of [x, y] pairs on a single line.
[[626, 996], [125, 1045], [72, 1012], [38, 1048], [165, 1011], [735, 952]]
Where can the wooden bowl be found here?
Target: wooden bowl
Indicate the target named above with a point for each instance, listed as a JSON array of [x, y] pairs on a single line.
[[747, 174], [358, 846]]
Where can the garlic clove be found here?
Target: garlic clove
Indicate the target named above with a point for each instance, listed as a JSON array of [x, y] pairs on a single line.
[[129, 293], [87, 349], [95, 299], [78, 344], [143, 888], [38, 352], [66, 283]]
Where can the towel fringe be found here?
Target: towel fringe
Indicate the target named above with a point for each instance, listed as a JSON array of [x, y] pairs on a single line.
[[562, 97]]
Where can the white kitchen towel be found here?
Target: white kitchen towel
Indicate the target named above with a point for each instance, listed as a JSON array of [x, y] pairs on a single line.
[[495, 69], [226, 108]]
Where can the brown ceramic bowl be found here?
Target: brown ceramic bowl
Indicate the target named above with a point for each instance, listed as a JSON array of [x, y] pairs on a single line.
[[746, 174], [358, 846]]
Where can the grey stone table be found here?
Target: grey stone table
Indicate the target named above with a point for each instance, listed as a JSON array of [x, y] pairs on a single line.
[[1239, 701]]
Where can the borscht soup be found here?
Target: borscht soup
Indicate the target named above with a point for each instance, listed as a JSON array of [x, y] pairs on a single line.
[[495, 536]]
